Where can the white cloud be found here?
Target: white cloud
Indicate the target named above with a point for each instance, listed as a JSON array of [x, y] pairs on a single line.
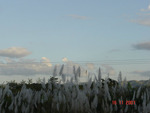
[[14, 52], [90, 66], [46, 61], [25, 67], [30, 67], [78, 17], [148, 9], [109, 69], [68, 67], [143, 17], [9, 60], [65, 59]]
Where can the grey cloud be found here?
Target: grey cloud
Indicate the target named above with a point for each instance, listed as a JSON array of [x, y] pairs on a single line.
[[142, 46], [14, 52]]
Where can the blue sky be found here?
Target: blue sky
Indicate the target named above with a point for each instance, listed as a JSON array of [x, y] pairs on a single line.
[[77, 30]]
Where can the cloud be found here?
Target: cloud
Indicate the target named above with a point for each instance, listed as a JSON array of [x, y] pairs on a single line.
[[148, 9], [142, 73], [143, 17], [46, 61], [142, 46], [25, 67], [65, 59], [30, 67], [68, 67], [90, 66], [78, 17], [14, 52], [145, 22], [109, 69]]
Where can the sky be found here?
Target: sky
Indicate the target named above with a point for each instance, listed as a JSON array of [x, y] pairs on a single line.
[[37, 35]]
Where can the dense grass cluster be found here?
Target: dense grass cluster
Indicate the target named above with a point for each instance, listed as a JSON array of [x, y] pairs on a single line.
[[72, 97]]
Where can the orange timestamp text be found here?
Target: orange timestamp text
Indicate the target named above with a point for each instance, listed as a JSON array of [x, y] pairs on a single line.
[[121, 102]]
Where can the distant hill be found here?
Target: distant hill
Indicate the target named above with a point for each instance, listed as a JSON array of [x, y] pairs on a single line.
[[136, 83]]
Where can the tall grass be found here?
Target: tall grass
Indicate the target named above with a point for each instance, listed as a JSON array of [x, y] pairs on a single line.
[[69, 96]]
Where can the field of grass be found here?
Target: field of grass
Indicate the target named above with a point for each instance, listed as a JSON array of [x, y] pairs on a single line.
[[96, 96]]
